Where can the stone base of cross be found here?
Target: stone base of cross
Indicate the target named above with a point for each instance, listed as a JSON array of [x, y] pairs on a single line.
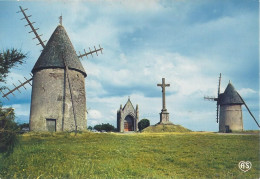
[[164, 118]]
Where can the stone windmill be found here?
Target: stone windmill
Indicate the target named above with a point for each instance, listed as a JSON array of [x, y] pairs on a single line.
[[229, 109], [58, 100]]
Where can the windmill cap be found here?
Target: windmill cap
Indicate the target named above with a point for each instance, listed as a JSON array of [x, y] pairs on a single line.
[[58, 50], [230, 96]]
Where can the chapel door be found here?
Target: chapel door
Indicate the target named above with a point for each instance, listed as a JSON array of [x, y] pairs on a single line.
[[128, 123]]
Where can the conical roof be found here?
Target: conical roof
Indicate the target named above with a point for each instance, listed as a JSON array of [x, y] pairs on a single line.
[[58, 50], [230, 96]]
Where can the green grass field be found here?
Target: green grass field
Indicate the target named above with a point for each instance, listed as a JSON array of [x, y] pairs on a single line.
[[141, 155]]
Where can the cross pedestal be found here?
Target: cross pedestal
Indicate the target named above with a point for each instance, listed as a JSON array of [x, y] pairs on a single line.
[[164, 115]]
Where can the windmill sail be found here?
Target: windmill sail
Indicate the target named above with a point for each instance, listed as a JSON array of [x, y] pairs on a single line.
[[219, 82], [16, 88], [215, 99], [90, 52], [31, 25]]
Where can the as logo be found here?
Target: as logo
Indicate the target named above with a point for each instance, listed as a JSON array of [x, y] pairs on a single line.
[[244, 166]]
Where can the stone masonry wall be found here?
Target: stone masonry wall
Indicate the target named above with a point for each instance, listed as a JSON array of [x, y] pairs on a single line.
[[230, 115], [50, 102]]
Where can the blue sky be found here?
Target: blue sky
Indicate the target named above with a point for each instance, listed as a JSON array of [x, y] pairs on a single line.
[[187, 42]]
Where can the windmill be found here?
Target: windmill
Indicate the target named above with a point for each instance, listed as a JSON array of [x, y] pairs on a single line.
[[229, 111], [58, 101]]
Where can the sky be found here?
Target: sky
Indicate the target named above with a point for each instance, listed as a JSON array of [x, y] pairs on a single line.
[[189, 43]]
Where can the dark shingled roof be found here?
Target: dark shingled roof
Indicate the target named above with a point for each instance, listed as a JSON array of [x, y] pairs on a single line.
[[59, 49], [230, 96]]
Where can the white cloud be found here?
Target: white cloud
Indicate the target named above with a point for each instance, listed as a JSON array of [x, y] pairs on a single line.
[[246, 91], [142, 6], [94, 114], [186, 76], [92, 122], [20, 109]]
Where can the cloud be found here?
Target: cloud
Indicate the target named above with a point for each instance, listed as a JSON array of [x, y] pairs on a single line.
[[246, 91], [94, 114], [141, 76], [22, 112]]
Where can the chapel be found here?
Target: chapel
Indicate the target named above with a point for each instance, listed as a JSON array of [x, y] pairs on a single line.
[[127, 117]]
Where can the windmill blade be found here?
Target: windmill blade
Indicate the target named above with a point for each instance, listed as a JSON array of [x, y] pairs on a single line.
[[31, 25], [219, 82], [16, 88], [209, 98], [217, 112], [91, 52], [248, 110]]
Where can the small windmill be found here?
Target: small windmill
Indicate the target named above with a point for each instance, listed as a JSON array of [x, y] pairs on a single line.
[[229, 111], [58, 88]]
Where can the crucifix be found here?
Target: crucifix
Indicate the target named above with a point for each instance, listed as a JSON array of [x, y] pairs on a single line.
[[164, 115], [163, 85]]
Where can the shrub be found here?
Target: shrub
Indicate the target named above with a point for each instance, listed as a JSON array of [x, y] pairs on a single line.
[[8, 130], [24, 125], [143, 124], [106, 127]]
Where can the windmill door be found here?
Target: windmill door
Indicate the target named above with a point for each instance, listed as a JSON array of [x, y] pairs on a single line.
[[51, 125], [227, 129]]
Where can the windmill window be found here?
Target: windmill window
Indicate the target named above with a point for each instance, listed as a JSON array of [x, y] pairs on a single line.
[[59, 98]]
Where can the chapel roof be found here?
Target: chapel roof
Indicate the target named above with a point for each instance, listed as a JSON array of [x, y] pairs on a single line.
[[58, 50], [128, 103]]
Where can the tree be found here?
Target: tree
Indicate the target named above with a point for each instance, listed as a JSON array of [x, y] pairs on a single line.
[[143, 124], [106, 127], [8, 128], [8, 60], [90, 128], [24, 125], [97, 127]]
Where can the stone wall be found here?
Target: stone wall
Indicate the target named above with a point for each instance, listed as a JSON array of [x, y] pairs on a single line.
[[231, 116], [50, 102]]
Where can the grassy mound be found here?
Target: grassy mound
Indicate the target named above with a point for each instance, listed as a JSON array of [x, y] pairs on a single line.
[[166, 128]]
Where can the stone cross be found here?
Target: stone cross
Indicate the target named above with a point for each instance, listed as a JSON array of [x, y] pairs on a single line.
[[163, 85]]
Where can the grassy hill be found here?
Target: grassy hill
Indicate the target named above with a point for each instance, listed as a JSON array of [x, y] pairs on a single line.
[[166, 128], [141, 155]]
